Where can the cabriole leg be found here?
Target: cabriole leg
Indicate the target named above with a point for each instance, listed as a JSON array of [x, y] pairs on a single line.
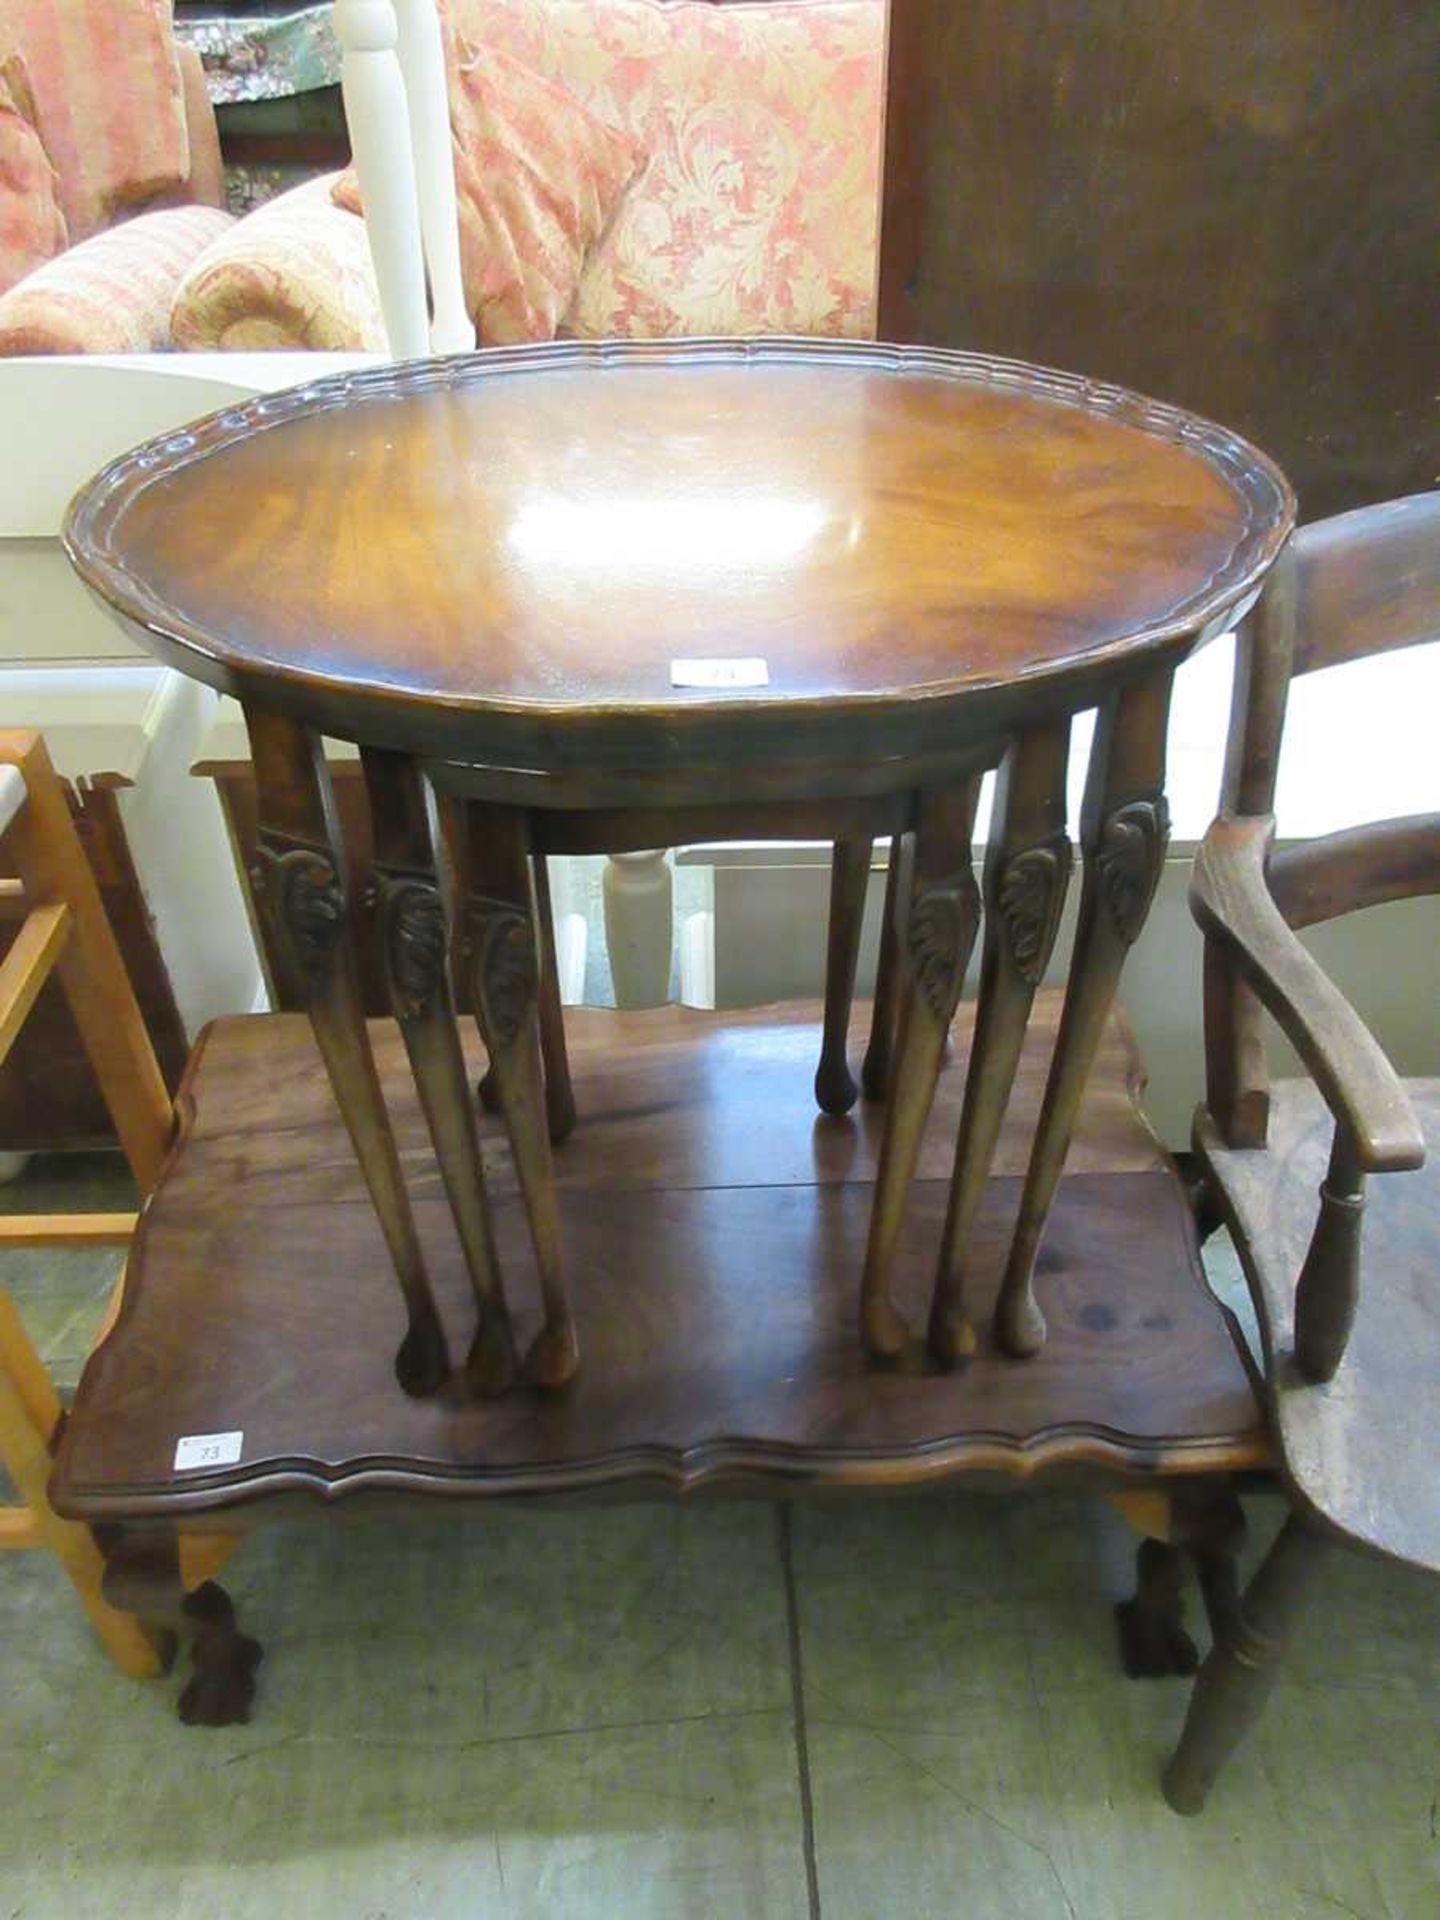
[[559, 1094], [1124, 831], [875, 1072], [835, 1089], [299, 884], [1027, 868], [500, 944], [413, 934], [941, 925]]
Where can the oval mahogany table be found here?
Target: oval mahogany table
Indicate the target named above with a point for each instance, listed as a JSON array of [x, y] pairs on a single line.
[[888, 569]]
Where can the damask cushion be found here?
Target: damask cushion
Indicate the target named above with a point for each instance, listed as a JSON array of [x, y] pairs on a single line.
[[111, 294], [537, 180], [109, 101], [32, 227], [295, 273], [759, 209]]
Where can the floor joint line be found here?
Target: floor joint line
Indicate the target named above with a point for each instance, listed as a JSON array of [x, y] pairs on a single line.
[[785, 1542]]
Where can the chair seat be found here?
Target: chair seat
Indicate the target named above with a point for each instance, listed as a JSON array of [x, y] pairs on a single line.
[[1360, 1451], [714, 1232]]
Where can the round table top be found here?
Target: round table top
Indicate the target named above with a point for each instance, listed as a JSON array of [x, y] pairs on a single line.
[[527, 555]]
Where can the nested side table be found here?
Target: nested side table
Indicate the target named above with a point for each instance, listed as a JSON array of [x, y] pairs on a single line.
[[606, 596]]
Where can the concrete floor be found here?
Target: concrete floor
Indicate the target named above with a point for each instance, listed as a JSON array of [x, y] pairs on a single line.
[[906, 1708]]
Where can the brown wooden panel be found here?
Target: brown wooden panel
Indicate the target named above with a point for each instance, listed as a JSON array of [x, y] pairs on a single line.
[[1228, 205], [49, 1096], [716, 1292]]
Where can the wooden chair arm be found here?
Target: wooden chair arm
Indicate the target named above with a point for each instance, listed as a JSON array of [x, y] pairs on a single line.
[[1231, 900]]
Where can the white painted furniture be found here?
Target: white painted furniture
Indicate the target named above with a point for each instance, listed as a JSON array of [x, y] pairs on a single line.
[[392, 76]]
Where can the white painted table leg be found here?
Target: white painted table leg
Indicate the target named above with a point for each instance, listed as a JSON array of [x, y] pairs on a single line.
[[639, 926], [422, 62], [379, 122]]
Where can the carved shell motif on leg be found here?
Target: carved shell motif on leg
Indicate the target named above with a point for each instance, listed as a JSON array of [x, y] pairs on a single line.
[[413, 932], [943, 923], [1131, 854], [307, 903], [1029, 900], [504, 969]]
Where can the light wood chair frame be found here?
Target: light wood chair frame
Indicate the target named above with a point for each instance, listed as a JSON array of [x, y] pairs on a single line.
[[64, 931]]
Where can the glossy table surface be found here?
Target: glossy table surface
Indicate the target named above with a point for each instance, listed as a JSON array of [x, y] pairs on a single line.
[[449, 555]]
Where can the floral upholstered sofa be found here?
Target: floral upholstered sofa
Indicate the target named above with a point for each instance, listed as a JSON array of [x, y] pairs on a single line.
[[624, 167], [110, 177]]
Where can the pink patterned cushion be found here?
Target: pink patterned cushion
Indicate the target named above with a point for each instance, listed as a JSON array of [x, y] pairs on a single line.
[[759, 210], [110, 103], [111, 294], [537, 179], [32, 227], [295, 273]]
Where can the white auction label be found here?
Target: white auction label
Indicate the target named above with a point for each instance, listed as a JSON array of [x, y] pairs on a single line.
[[208, 1450], [719, 673]]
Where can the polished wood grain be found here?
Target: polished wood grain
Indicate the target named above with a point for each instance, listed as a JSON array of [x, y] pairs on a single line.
[[1235, 210], [718, 1226], [495, 558]]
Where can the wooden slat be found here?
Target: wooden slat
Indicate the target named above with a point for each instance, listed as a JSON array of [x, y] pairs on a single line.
[[23, 1368], [1369, 581], [1361, 867], [25, 1449], [26, 967], [67, 1229]]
